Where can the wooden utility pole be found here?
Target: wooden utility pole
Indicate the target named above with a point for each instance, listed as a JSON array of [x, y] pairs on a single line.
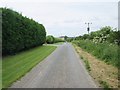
[[88, 28]]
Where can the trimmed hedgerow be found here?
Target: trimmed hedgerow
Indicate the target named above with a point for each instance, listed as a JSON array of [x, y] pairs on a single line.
[[19, 32]]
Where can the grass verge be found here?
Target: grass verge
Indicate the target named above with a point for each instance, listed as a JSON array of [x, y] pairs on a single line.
[[107, 52], [105, 85], [14, 67], [105, 75], [59, 43], [87, 65], [0, 73]]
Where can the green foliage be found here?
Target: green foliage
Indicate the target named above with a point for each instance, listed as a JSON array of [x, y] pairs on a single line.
[[70, 39], [78, 38], [50, 39], [20, 33], [105, 34], [87, 65], [102, 32], [85, 36], [58, 40], [65, 37], [105, 85], [114, 36], [105, 51], [103, 44]]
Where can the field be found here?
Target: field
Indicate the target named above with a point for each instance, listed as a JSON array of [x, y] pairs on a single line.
[[14, 67]]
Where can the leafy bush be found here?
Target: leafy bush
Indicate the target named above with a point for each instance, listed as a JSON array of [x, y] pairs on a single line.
[[114, 36], [105, 34], [20, 33], [58, 40], [50, 39], [69, 39]]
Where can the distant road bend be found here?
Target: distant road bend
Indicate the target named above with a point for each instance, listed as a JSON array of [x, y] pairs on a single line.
[[61, 69]]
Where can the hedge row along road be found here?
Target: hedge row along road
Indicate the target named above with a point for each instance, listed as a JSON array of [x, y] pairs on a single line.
[[20, 33]]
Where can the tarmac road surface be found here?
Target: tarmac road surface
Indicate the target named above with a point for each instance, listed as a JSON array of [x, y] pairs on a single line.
[[62, 69]]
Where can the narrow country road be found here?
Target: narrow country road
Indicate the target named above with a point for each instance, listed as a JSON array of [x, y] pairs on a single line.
[[61, 69]]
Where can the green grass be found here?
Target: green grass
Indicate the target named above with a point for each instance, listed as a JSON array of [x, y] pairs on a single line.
[[14, 67], [86, 62], [87, 65], [105, 85], [104, 51], [59, 43], [0, 74]]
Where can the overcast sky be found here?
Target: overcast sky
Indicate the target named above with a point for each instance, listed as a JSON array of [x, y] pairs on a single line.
[[68, 17]]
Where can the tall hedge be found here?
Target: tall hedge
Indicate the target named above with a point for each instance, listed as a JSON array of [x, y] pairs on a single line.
[[19, 32]]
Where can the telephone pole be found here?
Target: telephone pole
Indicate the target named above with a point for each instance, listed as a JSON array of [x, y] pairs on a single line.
[[88, 28]]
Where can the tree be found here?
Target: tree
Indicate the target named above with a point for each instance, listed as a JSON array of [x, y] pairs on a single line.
[[50, 39], [65, 38]]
